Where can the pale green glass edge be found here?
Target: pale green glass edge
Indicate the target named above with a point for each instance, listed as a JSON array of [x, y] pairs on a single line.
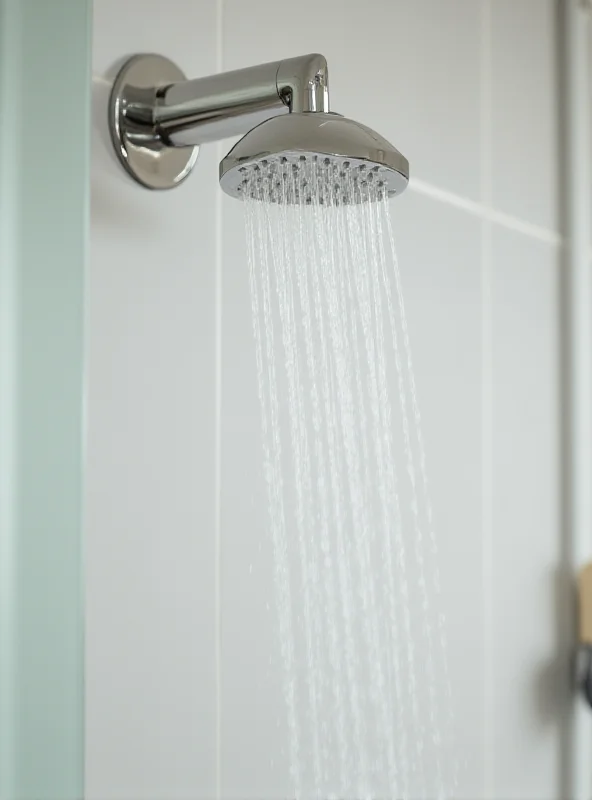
[[45, 84]]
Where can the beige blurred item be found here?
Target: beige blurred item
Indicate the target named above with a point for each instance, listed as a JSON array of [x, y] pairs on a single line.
[[585, 604]]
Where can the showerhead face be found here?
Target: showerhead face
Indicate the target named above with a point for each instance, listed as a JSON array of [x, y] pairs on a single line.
[[304, 158]]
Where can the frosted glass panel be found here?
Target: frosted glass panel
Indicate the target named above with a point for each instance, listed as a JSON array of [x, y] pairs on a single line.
[[44, 146]]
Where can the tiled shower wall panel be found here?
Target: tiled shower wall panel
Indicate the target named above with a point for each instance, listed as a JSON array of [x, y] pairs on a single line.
[[181, 699]]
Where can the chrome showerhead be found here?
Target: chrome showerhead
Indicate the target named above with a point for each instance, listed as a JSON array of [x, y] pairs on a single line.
[[293, 147], [307, 157]]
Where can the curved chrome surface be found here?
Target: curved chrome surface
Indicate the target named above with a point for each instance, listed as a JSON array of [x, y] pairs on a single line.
[[299, 138], [231, 103], [139, 147], [219, 106], [303, 82], [158, 119]]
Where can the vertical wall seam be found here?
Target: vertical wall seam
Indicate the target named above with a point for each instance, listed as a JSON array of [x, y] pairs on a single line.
[[578, 208], [486, 400], [218, 425]]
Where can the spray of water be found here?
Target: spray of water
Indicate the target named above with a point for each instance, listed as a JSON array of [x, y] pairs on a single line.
[[362, 636]]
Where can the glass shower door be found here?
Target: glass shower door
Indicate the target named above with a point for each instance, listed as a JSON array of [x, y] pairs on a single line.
[[44, 166]]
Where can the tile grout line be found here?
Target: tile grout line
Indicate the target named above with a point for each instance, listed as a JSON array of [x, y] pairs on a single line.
[[485, 212], [487, 220], [218, 428]]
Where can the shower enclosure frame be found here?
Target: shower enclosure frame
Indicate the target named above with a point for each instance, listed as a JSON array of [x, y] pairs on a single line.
[[577, 395], [43, 247]]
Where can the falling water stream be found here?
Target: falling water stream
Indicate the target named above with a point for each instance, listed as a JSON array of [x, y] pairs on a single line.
[[362, 635]]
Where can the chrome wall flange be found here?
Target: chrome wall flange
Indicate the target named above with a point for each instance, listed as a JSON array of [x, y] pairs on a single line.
[[139, 145]]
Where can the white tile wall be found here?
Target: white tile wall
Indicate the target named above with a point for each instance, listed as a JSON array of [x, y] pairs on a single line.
[[252, 745], [525, 118], [150, 479], [183, 692], [529, 622], [443, 294]]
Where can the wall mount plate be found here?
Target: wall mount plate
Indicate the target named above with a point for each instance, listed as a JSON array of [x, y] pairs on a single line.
[[144, 155]]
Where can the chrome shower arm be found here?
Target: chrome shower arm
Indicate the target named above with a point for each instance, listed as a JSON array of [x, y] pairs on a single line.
[[193, 112]]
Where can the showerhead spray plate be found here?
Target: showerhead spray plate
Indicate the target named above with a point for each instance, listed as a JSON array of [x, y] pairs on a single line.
[[298, 178]]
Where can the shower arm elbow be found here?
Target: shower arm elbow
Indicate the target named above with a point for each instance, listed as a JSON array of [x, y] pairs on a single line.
[[304, 82], [193, 112]]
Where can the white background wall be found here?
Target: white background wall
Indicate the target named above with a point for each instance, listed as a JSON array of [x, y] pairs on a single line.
[[182, 700]]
